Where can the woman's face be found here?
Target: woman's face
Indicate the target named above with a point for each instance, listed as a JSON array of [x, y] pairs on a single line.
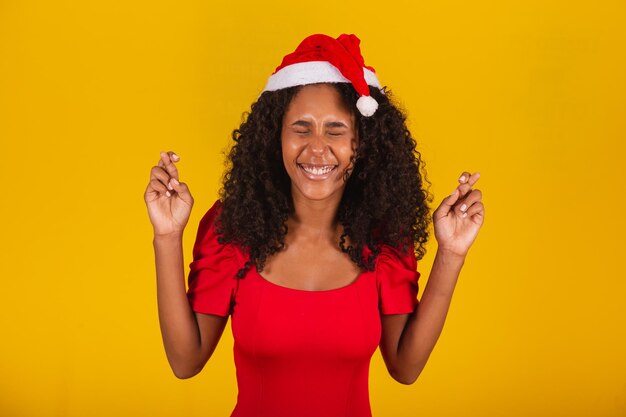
[[318, 139]]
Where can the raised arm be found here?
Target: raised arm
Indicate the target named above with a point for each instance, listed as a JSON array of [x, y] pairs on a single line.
[[189, 338], [408, 339]]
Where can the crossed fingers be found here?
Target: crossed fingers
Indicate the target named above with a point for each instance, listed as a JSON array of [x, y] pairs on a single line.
[[167, 162], [465, 206], [165, 172]]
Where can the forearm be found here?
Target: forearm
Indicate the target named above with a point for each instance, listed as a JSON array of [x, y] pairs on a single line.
[[425, 324], [179, 328]]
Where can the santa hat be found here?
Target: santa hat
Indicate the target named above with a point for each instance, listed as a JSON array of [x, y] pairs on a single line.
[[322, 59]]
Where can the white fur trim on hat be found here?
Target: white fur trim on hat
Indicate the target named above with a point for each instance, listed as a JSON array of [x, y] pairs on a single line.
[[313, 72]]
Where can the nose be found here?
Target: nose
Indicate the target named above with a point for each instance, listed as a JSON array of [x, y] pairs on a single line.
[[318, 144]]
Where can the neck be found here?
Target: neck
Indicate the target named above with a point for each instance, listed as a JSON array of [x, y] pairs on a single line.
[[314, 219]]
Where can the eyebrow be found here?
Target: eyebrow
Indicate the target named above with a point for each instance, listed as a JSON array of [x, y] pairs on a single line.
[[305, 123]]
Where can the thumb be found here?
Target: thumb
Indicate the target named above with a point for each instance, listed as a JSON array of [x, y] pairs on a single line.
[[182, 190]]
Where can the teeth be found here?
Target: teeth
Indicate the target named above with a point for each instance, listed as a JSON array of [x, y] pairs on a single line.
[[318, 171]]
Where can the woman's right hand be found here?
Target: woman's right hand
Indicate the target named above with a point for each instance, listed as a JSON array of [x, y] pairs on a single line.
[[169, 201]]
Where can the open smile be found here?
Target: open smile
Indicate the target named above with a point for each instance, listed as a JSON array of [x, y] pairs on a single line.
[[317, 172]]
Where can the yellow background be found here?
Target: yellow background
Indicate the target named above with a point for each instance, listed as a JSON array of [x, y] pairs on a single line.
[[532, 94]]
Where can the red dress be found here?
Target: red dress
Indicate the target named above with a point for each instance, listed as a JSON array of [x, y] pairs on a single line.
[[297, 352]]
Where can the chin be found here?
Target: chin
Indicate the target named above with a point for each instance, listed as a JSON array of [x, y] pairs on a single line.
[[317, 193]]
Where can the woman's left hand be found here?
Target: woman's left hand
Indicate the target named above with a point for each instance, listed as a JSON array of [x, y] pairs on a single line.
[[459, 217]]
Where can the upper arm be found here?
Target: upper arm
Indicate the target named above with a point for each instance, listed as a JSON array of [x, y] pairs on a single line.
[[392, 329], [212, 285], [397, 282], [211, 328]]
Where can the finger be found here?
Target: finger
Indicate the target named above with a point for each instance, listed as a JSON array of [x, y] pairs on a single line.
[[468, 178], [473, 178], [173, 156], [158, 186], [166, 157], [466, 203], [477, 209], [466, 187], [464, 177], [160, 174], [182, 190]]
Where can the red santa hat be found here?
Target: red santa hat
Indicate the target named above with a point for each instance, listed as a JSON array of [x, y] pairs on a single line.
[[322, 59]]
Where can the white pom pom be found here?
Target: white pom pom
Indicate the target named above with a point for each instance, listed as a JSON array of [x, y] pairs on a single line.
[[366, 105]]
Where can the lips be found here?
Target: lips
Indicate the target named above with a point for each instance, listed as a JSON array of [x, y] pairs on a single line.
[[317, 171]]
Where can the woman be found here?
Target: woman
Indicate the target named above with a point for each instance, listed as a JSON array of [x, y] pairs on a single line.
[[311, 248]]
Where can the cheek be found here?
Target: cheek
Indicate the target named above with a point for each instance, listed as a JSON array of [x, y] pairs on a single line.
[[290, 151], [345, 152]]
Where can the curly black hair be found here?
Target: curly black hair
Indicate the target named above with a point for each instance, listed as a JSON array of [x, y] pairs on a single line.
[[384, 201]]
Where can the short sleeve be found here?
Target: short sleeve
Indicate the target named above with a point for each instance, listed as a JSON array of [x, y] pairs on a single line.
[[212, 273], [397, 281]]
